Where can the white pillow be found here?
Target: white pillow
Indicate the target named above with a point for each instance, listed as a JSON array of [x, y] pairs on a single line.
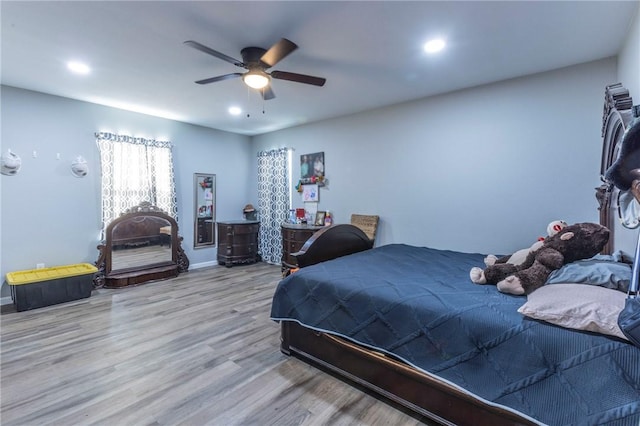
[[577, 306]]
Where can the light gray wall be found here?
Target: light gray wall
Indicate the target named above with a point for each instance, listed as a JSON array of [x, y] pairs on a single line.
[[481, 170], [49, 216], [629, 60]]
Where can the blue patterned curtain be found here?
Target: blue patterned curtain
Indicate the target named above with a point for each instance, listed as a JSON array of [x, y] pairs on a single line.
[[273, 201], [135, 170]]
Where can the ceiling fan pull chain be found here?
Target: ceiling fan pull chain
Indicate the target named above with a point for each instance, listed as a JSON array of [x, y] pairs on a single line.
[[248, 101]]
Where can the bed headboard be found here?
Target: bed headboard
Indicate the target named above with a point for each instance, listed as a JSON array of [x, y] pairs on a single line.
[[617, 114]]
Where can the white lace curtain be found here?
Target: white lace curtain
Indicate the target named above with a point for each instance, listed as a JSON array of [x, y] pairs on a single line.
[[273, 201], [135, 170]]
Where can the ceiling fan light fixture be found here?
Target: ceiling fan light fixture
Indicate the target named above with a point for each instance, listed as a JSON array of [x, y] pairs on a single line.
[[78, 67], [256, 79], [435, 45]]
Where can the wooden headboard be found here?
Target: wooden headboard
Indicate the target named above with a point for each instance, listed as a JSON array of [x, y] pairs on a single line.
[[617, 114]]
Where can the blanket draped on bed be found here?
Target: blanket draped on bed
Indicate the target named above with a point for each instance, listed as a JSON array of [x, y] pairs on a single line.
[[419, 305]]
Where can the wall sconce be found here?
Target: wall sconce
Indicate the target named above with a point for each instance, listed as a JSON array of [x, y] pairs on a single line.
[[10, 163], [79, 167]]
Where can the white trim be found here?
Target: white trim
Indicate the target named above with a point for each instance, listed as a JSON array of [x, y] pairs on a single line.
[[6, 300], [203, 264]]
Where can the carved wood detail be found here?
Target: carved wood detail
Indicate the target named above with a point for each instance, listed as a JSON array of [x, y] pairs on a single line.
[[140, 226], [617, 113]]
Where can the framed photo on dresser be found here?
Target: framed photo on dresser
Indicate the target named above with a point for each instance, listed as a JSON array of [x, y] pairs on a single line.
[[320, 218]]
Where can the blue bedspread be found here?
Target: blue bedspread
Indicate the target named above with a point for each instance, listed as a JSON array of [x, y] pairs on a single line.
[[419, 304]]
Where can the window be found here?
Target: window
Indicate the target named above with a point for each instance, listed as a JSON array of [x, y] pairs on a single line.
[[135, 170]]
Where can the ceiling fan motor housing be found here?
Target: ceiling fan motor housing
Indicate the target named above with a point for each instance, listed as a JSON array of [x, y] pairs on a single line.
[[251, 57]]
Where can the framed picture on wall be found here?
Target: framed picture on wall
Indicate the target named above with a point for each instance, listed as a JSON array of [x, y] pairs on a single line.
[[320, 218], [310, 193], [312, 168]]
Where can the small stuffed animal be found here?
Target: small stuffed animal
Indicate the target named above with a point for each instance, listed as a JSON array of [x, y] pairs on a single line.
[[574, 242], [519, 256]]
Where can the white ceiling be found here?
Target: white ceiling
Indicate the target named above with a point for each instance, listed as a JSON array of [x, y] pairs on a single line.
[[369, 52]]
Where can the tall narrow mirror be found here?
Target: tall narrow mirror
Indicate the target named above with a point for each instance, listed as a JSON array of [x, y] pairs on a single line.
[[205, 209]]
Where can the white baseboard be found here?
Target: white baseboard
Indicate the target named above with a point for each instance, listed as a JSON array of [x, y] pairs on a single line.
[[203, 264], [6, 300]]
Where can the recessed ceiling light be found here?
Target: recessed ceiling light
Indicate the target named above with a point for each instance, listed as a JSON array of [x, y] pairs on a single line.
[[435, 45], [235, 111], [78, 67]]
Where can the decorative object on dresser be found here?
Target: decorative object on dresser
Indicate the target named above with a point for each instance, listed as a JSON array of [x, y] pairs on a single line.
[[293, 238], [320, 218], [249, 212], [141, 245], [238, 242]]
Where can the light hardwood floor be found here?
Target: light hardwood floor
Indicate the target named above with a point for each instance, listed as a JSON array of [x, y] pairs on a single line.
[[198, 349]]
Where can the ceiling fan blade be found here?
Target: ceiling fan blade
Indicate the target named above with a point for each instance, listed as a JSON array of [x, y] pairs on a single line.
[[278, 52], [267, 93], [215, 53], [219, 78], [298, 78]]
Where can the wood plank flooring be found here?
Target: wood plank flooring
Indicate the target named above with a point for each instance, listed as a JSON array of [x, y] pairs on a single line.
[[198, 349]]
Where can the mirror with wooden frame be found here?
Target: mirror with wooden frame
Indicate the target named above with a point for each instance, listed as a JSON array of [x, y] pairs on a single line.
[[204, 210], [141, 245]]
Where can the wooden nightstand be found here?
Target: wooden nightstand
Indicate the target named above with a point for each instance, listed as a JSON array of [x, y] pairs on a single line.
[[238, 242], [293, 238]]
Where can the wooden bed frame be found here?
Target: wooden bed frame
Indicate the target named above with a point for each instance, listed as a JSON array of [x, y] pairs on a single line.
[[425, 394], [617, 114]]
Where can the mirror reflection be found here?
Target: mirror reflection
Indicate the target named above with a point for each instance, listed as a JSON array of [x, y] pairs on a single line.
[[205, 195], [140, 241]]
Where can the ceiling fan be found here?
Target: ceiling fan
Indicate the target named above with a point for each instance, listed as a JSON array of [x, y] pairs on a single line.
[[257, 60]]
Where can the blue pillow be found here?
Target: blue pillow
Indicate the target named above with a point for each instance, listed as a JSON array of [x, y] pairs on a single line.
[[600, 270], [616, 256]]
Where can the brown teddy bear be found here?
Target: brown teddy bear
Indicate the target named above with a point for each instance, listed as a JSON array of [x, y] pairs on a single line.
[[574, 242], [520, 256]]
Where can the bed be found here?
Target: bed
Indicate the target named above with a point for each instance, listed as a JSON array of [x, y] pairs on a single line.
[[406, 323]]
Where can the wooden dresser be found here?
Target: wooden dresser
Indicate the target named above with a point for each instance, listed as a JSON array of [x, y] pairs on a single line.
[[293, 238], [238, 242]]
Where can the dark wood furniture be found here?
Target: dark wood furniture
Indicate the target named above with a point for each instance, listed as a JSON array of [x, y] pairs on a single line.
[[293, 238], [425, 394], [340, 240], [617, 115], [141, 245], [238, 242]]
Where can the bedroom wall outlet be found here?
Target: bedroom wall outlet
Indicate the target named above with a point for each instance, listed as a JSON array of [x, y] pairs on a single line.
[[39, 265]]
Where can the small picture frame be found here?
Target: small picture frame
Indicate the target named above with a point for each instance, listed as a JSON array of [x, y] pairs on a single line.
[[320, 218]]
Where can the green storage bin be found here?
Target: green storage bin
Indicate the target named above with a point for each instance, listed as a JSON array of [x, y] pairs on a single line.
[[35, 288]]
